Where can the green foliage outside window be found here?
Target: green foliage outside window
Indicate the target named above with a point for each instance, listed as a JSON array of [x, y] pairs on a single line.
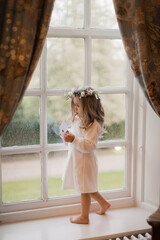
[[28, 133]]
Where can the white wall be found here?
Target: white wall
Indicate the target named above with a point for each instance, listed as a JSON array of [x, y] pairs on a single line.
[[147, 165], [152, 158]]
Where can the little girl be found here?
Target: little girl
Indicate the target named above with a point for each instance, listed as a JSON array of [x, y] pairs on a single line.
[[81, 172]]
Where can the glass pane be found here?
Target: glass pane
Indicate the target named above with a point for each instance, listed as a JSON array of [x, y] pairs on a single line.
[[114, 107], [65, 62], [24, 128], [21, 177], [58, 111], [56, 166], [111, 163], [34, 83], [68, 13], [108, 63], [103, 14]]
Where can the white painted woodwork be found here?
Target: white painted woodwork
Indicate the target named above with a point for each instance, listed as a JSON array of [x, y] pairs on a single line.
[[116, 223], [122, 197]]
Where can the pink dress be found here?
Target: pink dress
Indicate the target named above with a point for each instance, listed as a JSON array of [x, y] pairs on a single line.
[[81, 171]]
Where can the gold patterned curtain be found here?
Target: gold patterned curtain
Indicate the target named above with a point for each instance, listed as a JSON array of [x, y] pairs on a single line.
[[139, 23], [23, 28]]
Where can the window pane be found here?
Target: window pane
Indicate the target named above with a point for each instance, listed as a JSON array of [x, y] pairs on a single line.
[[24, 128], [68, 13], [58, 111], [21, 177], [34, 83], [111, 162], [103, 14], [108, 63], [56, 166], [65, 62], [114, 107]]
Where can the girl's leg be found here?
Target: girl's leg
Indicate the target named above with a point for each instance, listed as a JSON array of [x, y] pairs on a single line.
[[104, 205], [85, 205]]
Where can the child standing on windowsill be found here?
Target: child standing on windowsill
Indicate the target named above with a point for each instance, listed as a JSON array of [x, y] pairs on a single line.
[[81, 172]]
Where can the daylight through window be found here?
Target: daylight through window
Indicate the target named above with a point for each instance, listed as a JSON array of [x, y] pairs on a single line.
[[83, 48]]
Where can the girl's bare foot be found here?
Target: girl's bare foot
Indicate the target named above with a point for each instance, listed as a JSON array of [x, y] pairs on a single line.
[[79, 220], [103, 208]]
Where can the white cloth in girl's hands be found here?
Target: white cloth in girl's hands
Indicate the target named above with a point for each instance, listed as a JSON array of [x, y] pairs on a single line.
[[63, 128]]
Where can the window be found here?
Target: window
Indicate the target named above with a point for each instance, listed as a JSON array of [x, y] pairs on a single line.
[[83, 47]]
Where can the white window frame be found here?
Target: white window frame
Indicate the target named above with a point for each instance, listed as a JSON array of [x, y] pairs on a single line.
[[122, 197]]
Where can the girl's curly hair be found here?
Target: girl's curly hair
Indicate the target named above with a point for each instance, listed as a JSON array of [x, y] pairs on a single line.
[[91, 106]]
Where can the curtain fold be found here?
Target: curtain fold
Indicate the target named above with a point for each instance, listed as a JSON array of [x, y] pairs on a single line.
[[139, 23], [23, 28]]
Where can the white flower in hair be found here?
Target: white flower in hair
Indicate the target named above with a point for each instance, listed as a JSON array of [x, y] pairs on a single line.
[[97, 97], [90, 92], [82, 94]]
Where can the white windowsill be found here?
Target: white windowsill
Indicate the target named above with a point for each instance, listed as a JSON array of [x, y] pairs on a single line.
[[115, 223]]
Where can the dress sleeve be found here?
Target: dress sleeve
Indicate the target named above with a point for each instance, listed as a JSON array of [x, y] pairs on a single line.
[[88, 143]]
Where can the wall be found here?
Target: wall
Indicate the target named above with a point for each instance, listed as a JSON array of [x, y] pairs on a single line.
[[147, 164], [152, 158]]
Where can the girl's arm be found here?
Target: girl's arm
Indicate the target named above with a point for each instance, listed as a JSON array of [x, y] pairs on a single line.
[[88, 143]]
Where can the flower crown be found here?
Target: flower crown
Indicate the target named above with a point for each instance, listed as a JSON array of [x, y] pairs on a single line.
[[84, 92]]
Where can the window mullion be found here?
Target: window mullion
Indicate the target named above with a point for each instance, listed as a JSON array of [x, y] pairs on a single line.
[[43, 120], [87, 43], [87, 13], [31, 92], [20, 149], [129, 103], [87, 78], [102, 144], [83, 32], [128, 128]]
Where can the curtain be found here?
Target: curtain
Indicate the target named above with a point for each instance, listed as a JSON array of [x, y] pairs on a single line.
[[23, 28], [139, 23]]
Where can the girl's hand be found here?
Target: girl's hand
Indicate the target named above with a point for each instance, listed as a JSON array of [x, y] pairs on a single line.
[[68, 137]]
